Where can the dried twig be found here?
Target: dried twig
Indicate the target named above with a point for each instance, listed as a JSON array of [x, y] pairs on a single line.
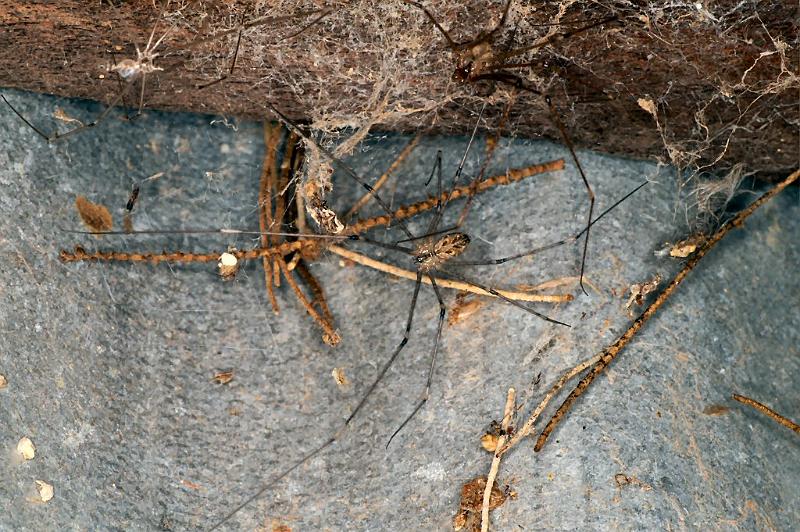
[[767, 411], [506, 178], [608, 354], [330, 336], [527, 428], [272, 136], [440, 281], [508, 412]]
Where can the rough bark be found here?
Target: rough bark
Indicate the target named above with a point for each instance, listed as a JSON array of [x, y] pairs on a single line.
[[704, 86]]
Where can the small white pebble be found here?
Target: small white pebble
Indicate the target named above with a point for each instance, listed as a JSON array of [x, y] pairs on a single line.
[[45, 490], [3, 381], [26, 448], [228, 259], [228, 265]]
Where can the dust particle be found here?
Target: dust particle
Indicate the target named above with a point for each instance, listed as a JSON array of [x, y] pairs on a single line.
[[339, 376], [45, 490], [715, 410], [26, 448]]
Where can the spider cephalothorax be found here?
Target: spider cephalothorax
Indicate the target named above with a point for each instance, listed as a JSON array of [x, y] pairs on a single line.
[[473, 60]]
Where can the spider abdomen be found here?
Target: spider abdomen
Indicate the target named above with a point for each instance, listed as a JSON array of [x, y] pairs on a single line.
[[434, 253]]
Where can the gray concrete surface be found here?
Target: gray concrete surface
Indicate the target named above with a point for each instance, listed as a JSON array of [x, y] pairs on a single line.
[[109, 367]]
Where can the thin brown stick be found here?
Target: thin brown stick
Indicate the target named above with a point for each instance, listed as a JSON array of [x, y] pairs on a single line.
[[282, 180], [316, 290], [81, 255], [608, 354], [440, 281], [527, 428], [329, 336], [272, 136], [767, 411], [510, 176], [508, 413], [384, 177]]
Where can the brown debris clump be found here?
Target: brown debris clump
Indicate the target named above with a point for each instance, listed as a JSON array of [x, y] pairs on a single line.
[[96, 217], [469, 509]]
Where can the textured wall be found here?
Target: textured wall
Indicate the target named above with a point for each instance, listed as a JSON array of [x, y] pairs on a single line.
[[720, 79]]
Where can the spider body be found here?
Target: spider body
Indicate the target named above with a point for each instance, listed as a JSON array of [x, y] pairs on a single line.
[[473, 59], [131, 69], [432, 254]]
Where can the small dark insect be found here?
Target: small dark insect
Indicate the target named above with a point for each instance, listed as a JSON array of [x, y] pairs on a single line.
[[132, 198]]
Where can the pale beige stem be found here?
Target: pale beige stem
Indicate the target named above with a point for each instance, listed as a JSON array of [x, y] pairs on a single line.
[[528, 426], [508, 413], [447, 283]]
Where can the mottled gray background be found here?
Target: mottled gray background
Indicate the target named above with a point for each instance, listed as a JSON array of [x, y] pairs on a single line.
[[109, 366]]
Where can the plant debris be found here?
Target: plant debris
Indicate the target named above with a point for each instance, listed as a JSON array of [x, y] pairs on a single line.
[[339, 376], [469, 508], [223, 377], [96, 217]]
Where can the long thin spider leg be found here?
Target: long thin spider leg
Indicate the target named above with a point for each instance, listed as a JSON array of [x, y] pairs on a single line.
[[57, 136], [233, 64], [502, 20], [403, 342], [384, 177], [450, 42], [437, 169], [440, 207], [551, 245], [341, 165], [426, 392], [120, 86], [385, 245], [436, 166], [500, 58], [589, 191], [504, 298], [337, 435], [141, 95], [473, 186], [153, 32], [283, 474]]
